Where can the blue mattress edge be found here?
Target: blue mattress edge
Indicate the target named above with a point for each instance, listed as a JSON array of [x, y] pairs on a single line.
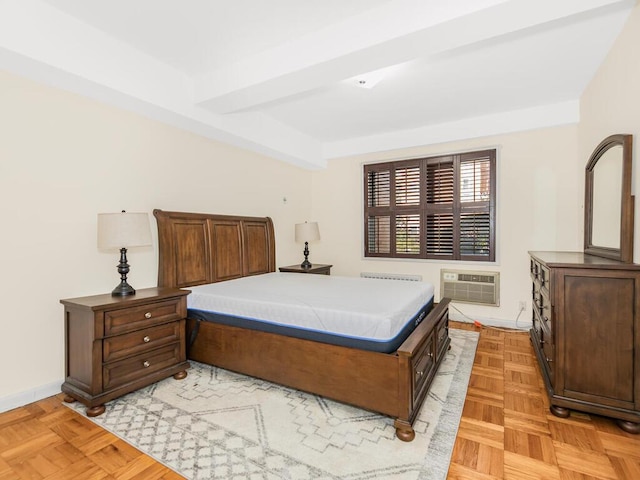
[[374, 345]]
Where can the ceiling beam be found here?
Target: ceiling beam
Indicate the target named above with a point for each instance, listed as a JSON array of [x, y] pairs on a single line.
[[378, 38], [46, 45]]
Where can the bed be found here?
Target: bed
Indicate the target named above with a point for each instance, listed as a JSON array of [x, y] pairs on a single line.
[[198, 249]]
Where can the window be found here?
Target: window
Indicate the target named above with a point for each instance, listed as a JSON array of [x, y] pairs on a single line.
[[437, 208]]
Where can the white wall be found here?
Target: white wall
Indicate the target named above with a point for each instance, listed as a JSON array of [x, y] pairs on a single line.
[[65, 158], [538, 209], [540, 186], [611, 104]]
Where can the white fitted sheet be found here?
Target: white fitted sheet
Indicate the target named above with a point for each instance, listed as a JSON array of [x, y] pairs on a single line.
[[350, 306]]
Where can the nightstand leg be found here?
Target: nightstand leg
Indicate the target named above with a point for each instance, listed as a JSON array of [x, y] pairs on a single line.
[[95, 411], [68, 399], [180, 375]]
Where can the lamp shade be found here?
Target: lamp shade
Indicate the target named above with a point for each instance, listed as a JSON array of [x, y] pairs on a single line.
[[123, 230], [307, 232]]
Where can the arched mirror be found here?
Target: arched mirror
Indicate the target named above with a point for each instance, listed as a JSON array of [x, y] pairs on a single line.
[[608, 207]]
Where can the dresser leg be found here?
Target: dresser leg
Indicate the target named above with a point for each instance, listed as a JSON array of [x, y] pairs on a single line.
[[559, 411], [95, 411], [180, 375], [68, 399], [629, 427]]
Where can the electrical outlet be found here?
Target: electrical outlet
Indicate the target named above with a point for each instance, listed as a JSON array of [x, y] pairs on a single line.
[[522, 305]]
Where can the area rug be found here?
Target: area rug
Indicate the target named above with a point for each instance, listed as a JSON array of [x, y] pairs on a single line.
[[216, 424]]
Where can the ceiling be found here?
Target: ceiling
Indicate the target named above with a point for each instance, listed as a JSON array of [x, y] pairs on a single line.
[[285, 78]]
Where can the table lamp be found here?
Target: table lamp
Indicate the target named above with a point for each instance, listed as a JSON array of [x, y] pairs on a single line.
[[307, 232], [121, 231]]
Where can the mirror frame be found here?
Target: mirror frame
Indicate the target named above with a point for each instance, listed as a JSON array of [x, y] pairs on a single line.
[[624, 252]]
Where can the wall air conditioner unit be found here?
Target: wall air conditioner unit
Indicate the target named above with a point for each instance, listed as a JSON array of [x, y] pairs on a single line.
[[482, 288]]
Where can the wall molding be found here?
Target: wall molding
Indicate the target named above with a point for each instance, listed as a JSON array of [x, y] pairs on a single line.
[[523, 325], [29, 396]]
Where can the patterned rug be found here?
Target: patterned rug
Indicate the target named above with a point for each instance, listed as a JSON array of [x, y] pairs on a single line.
[[216, 424]]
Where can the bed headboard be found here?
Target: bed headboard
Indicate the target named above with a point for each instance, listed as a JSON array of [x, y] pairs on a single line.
[[199, 248]]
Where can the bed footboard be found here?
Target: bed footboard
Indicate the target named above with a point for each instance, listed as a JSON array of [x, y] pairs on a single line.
[[419, 358], [392, 384]]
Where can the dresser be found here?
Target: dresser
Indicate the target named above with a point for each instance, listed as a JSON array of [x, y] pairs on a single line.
[[586, 334], [115, 345]]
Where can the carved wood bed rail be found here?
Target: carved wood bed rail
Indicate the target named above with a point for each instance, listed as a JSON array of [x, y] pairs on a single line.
[[196, 249]]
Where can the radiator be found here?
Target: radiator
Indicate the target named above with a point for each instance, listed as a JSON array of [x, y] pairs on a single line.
[[392, 276], [482, 288]]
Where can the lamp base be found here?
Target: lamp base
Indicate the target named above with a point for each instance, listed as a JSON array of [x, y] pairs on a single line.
[[123, 290], [306, 264]]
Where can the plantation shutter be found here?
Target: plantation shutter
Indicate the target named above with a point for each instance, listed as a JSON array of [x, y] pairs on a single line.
[[476, 212], [439, 203], [406, 180], [436, 208], [378, 217]]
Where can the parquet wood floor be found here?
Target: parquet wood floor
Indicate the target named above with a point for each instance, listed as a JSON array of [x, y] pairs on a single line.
[[506, 432]]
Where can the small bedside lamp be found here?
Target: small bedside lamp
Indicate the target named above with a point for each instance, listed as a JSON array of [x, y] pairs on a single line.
[[120, 231], [307, 232]]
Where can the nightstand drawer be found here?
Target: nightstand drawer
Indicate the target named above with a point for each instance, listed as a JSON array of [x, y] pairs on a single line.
[[115, 348], [134, 318], [133, 368]]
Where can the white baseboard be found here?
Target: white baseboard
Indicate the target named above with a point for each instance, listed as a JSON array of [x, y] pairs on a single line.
[[29, 396], [524, 325], [43, 391]]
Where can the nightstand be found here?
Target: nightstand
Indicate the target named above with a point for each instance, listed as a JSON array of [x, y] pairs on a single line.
[[317, 268], [115, 345]]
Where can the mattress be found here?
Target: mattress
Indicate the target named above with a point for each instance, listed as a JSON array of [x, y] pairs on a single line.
[[371, 314]]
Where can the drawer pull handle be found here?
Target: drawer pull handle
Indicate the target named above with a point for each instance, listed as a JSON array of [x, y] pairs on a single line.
[[147, 315], [146, 364], [146, 339], [419, 373], [549, 360]]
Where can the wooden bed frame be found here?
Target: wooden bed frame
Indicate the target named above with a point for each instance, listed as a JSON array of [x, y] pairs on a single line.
[[196, 249]]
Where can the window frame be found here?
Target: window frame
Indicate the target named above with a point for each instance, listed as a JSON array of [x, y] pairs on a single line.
[[457, 209]]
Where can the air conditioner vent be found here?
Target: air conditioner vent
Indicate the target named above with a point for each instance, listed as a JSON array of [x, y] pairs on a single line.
[[474, 277], [481, 288]]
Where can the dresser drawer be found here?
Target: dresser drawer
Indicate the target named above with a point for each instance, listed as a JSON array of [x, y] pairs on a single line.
[[548, 350], [543, 344], [140, 341], [534, 269], [540, 276], [133, 368], [134, 318], [542, 305], [544, 279]]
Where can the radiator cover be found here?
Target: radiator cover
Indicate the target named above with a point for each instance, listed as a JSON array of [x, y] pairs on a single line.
[[392, 276]]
